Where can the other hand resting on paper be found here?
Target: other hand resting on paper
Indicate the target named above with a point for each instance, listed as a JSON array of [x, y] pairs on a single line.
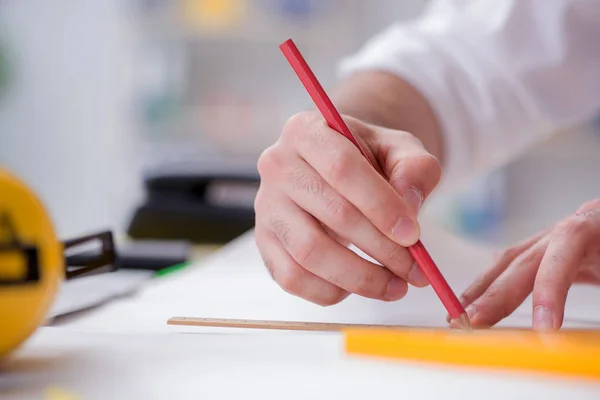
[[318, 193], [545, 266]]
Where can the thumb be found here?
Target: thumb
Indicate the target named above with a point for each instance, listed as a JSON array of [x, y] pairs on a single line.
[[411, 170], [401, 158]]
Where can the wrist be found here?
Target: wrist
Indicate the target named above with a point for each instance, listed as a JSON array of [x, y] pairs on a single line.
[[387, 101]]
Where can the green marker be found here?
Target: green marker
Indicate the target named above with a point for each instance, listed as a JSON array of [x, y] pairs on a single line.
[[172, 269]]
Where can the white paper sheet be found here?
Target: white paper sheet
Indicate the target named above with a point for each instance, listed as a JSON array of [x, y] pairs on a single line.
[[273, 365], [91, 291], [125, 349], [233, 283]]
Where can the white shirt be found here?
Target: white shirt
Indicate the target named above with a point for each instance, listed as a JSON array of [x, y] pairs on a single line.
[[500, 74]]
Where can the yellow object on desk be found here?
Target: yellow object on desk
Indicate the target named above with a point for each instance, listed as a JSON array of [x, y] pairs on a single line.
[[570, 352], [31, 265], [33, 261], [213, 13]]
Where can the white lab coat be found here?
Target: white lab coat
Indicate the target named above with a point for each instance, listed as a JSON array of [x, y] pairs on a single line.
[[500, 74]]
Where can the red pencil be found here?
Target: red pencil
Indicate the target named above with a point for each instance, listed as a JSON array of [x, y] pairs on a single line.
[[335, 121]]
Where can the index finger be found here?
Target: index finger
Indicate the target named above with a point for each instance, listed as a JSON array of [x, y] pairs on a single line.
[[342, 165], [558, 270], [487, 278]]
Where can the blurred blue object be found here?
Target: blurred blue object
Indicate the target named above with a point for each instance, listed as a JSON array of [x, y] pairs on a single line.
[[482, 207], [295, 8]]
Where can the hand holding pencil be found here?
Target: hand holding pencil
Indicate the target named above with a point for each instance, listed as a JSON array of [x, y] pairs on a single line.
[[327, 182]]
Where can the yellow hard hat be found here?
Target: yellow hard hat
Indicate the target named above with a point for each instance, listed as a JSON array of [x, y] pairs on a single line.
[[32, 262]]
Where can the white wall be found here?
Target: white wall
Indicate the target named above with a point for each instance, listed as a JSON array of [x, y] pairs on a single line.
[[65, 125], [552, 182]]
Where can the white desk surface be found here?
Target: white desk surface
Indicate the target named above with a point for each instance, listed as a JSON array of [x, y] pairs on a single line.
[[125, 350], [101, 366]]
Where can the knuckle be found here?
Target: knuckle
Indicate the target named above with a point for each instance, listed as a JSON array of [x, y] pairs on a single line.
[[494, 301], [362, 285], [429, 167], [342, 212], [306, 253], [260, 204], [467, 297], [507, 255], [409, 140], [281, 229], [269, 162], [264, 211], [527, 258], [397, 252], [573, 226], [590, 210], [589, 214], [299, 125], [334, 298], [305, 181], [590, 207], [545, 281], [368, 285], [421, 170], [294, 124], [493, 295], [289, 278], [342, 166], [399, 260], [548, 287]]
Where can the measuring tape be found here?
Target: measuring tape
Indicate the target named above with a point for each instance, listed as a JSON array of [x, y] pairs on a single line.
[[33, 261]]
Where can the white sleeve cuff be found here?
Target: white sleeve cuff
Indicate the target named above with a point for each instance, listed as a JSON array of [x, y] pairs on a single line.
[[497, 81], [402, 51]]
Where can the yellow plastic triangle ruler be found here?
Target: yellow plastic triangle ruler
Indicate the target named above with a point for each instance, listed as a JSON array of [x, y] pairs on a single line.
[[569, 353]]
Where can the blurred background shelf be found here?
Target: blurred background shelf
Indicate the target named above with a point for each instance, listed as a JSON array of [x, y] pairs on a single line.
[[99, 94]]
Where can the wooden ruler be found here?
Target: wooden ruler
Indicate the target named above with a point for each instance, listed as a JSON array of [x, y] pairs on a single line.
[[334, 327], [277, 325]]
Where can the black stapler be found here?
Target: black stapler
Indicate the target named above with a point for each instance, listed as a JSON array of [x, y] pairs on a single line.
[[210, 201]]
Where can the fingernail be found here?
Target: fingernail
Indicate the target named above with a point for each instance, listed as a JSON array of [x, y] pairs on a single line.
[[396, 289], [543, 318], [414, 199], [406, 232], [417, 277]]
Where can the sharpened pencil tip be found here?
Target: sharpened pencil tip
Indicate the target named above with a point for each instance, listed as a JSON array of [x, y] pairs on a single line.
[[464, 322]]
